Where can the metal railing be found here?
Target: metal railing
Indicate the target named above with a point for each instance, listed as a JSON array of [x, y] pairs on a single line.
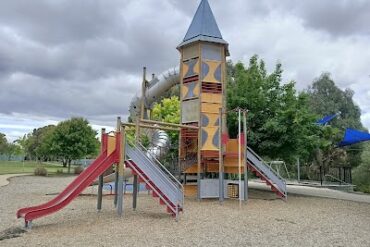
[[337, 180], [262, 166], [165, 181], [161, 165]]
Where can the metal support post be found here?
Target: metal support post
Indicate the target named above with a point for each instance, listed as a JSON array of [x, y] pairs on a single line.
[[298, 170], [245, 156], [221, 160], [121, 155], [239, 157], [134, 192], [101, 178]]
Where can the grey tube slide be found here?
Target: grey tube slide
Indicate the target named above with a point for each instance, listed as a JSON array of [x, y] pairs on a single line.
[[160, 140]]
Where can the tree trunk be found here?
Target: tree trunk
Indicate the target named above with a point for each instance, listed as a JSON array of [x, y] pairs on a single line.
[[64, 162], [69, 166]]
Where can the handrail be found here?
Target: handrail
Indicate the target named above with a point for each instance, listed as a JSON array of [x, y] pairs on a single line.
[[272, 170], [337, 179], [157, 192], [176, 187], [173, 188], [163, 167]]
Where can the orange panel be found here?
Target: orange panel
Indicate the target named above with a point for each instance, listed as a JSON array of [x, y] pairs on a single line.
[[210, 108], [192, 169], [212, 98], [190, 190], [233, 170], [111, 144]]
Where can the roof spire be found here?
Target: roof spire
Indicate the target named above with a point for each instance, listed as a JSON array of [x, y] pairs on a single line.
[[203, 27]]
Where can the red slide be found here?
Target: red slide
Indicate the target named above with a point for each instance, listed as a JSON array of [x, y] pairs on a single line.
[[88, 176]]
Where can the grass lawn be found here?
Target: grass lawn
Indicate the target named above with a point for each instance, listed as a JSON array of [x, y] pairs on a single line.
[[13, 167]]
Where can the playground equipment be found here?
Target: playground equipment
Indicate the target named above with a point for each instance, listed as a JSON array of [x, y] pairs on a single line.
[[204, 146], [114, 148]]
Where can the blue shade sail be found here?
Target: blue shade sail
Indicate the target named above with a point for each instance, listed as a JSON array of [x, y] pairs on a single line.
[[352, 136], [326, 119]]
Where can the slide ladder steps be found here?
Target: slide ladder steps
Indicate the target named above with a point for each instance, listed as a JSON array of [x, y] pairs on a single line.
[[266, 174], [171, 208], [268, 182]]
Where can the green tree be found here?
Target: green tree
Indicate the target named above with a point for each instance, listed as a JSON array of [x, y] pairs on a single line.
[[280, 125], [325, 98], [13, 149], [361, 174], [3, 143], [74, 139], [37, 143], [44, 148], [168, 110]]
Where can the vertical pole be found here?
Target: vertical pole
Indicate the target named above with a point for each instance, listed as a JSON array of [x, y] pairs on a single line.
[[134, 192], [142, 102], [321, 175], [141, 114], [240, 157], [199, 164], [101, 177], [245, 156], [121, 155], [221, 160], [116, 185], [298, 170]]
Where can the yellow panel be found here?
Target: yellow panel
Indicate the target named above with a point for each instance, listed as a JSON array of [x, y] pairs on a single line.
[[185, 91], [210, 76], [212, 98], [212, 119], [190, 52], [111, 144], [208, 145], [186, 67], [210, 108]]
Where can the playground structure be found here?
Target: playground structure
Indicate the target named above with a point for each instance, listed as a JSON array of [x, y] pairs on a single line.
[[204, 145]]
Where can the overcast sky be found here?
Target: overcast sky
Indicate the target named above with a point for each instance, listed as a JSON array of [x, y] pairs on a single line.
[[63, 58]]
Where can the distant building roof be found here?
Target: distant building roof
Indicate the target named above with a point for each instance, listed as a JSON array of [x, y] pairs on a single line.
[[203, 27]]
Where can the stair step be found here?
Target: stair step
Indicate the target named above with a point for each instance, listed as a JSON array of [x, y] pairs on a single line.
[[161, 202]]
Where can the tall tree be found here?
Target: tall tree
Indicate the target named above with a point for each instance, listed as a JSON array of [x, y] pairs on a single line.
[[74, 139], [3, 143], [37, 144], [280, 125], [326, 98]]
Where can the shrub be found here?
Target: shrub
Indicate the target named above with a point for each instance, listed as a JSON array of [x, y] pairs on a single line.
[[361, 177], [60, 171], [78, 169], [41, 171]]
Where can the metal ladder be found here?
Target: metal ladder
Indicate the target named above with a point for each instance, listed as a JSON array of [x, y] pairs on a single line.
[[163, 184], [266, 173]]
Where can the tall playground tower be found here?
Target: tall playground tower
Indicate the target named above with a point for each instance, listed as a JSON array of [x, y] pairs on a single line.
[[207, 152], [202, 86]]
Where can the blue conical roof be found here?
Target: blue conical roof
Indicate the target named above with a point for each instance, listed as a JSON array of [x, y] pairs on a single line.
[[203, 27]]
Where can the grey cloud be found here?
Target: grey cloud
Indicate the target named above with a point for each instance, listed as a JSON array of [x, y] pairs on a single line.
[[84, 58], [339, 17]]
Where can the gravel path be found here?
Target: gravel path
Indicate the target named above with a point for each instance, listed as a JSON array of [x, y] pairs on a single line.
[[4, 179], [302, 221]]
